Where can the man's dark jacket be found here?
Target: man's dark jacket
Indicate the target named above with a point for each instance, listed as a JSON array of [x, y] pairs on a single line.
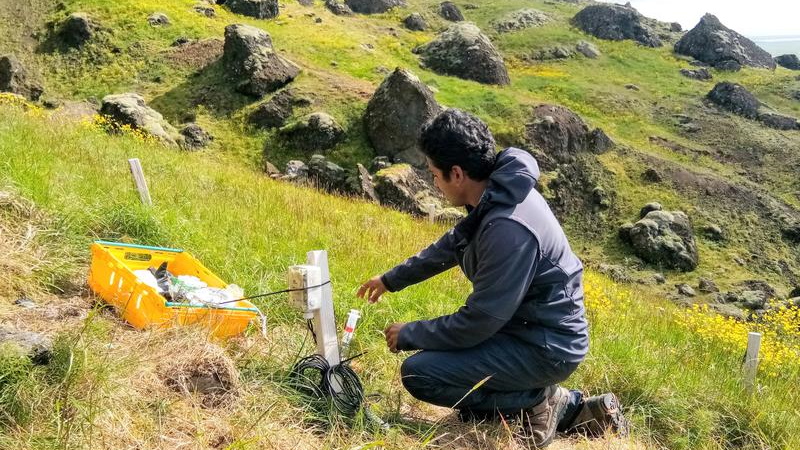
[[526, 280]]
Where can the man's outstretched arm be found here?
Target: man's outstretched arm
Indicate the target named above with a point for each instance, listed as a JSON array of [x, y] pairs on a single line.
[[508, 256]]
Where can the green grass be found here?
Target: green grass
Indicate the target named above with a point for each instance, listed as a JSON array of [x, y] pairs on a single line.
[[682, 391]]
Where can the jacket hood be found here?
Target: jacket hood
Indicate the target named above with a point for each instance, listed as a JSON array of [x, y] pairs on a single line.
[[515, 174]]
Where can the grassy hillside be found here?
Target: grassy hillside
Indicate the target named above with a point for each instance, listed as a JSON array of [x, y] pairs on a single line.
[[676, 368]]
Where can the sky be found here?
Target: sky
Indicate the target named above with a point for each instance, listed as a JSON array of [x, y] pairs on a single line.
[[750, 17]]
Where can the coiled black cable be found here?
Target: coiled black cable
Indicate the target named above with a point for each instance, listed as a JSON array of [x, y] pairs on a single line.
[[314, 377]]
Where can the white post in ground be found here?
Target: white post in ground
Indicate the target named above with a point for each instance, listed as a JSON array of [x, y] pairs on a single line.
[[750, 367], [140, 181], [324, 319], [431, 212]]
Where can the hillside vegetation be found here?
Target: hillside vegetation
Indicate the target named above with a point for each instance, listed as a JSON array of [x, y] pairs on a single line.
[[65, 183]]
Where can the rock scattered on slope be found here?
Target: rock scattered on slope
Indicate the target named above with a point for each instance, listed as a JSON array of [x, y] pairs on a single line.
[[34, 345], [130, 109], [736, 99], [778, 121], [327, 175], [664, 238], [701, 74], [251, 60], [562, 135], [374, 6], [520, 20], [449, 11], [316, 132], [275, 112], [340, 9], [415, 22], [616, 23], [395, 114], [790, 61], [557, 52], [77, 30], [14, 78], [195, 137], [588, 49], [260, 9], [204, 9], [400, 187], [464, 51], [713, 43], [158, 19]]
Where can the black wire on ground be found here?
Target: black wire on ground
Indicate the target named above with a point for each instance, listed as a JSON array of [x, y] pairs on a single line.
[[349, 396], [274, 293]]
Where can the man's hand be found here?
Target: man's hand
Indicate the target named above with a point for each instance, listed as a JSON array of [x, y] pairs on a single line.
[[392, 332], [372, 288]]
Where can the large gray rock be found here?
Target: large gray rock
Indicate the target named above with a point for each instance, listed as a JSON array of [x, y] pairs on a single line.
[[790, 61], [195, 137], [713, 43], [77, 30], [130, 109], [665, 238], [395, 114], [374, 6], [701, 74], [736, 99], [519, 20], [327, 175], [561, 135], [158, 19], [260, 9], [587, 49], [449, 11], [34, 345], [400, 187], [616, 23], [316, 132], [251, 60], [463, 51], [15, 79]]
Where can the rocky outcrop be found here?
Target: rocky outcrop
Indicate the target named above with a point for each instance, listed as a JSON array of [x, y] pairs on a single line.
[[130, 109], [415, 22], [252, 62], [326, 175], [790, 61], [713, 43], [315, 132], [400, 187], [15, 79], [374, 6], [736, 99], [158, 19], [616, 23], [701, 74], [557, 52], [449, 11], [275, 112], [561, 135], [260, 9], [463, 51], [664, 238], [340, 9], [395, 114], [520, 20], [77, 30], [587, 49], [195, 137]]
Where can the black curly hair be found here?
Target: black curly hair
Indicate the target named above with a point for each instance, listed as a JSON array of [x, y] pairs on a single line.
[[457, 138]]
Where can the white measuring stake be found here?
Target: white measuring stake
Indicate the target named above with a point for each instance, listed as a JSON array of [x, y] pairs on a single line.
[[140, 181], [750, 367], [431, 212], [324, 320]]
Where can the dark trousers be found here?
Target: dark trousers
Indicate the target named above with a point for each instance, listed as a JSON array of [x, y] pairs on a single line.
[[518, 377]]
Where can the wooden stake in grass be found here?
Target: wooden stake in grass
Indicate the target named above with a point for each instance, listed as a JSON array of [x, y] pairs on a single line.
[[750, 367], [140, 181]]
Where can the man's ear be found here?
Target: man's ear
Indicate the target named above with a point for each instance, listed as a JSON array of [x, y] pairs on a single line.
[[458, 173]]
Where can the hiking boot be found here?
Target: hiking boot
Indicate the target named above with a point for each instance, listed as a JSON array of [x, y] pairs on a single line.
[[540, 421], [599, 414]]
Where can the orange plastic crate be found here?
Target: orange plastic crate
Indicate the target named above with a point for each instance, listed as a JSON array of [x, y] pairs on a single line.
[[112, 277]]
